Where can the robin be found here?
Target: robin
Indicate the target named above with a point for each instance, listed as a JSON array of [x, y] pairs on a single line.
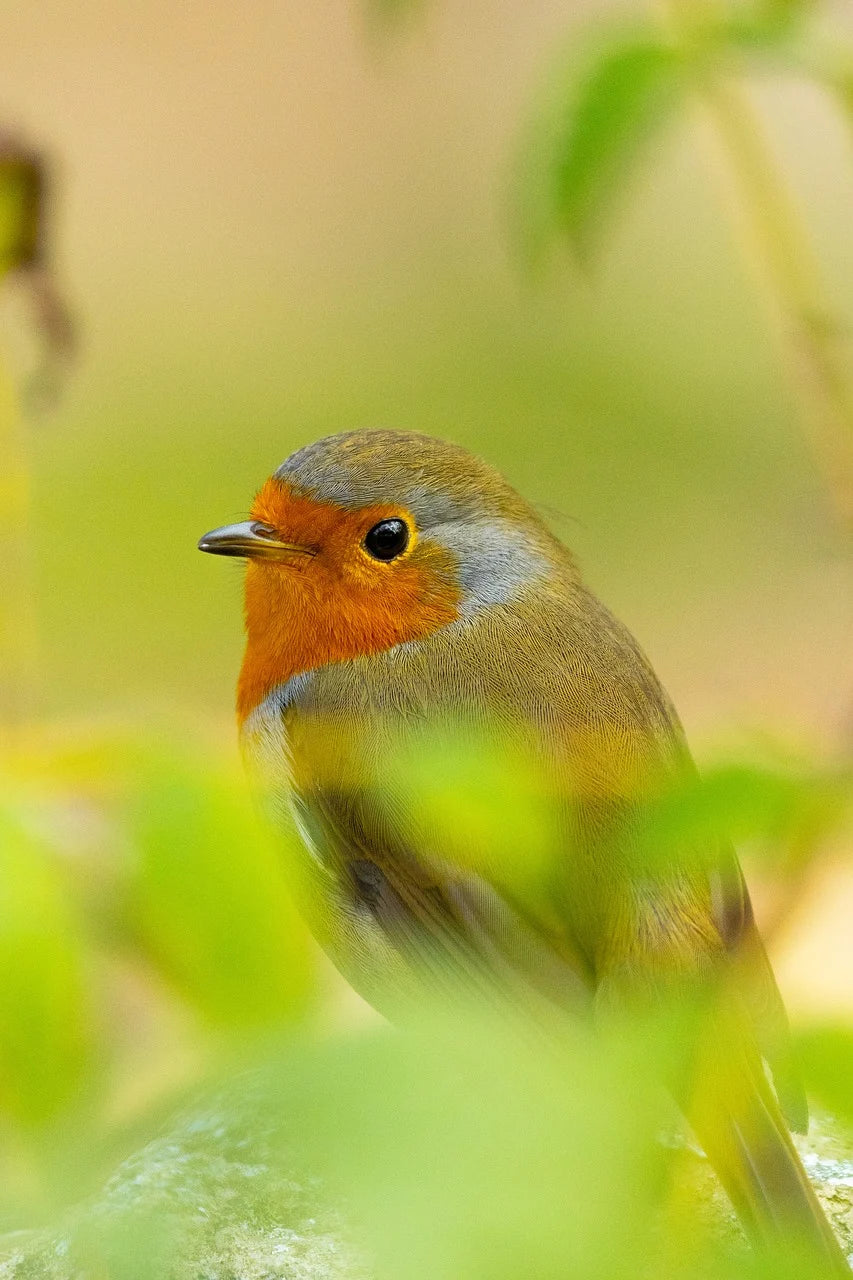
[[396, 584]]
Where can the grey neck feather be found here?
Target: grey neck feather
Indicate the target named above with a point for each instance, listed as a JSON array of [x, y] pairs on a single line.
[[497, 562]]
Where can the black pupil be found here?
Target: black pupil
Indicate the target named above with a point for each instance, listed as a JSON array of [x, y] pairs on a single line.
[[387, 539]]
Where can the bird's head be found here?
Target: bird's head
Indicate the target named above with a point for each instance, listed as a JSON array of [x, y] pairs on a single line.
[[369, 539]]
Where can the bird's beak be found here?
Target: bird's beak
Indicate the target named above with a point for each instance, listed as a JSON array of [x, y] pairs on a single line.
[[252, 540]]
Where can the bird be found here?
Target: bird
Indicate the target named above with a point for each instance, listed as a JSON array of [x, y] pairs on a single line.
[[397, 585]]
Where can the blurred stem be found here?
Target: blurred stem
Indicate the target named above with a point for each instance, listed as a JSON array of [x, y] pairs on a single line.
[[822, 373], [17, 595], [815, 330]]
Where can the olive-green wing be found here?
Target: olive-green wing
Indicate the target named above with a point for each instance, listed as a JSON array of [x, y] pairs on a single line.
[[444, 926]]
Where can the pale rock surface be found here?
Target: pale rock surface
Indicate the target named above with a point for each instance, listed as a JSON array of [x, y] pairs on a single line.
[[209, 1200]]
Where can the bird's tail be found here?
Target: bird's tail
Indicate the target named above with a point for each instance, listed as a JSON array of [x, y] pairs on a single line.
[[737, 1119]]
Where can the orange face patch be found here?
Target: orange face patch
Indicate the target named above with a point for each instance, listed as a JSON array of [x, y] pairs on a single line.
[[339, 603]]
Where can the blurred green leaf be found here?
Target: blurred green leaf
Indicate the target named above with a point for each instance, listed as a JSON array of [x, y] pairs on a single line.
[[44, 1018], [468, 1149], [610, 111], [210, 895], [825, 1056], [788, 813], [838, 79], [764, 23], [453, 795]]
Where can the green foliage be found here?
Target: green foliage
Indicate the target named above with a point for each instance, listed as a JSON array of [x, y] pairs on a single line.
[[467, 1146], [784, 814], [458, 1147], [598, 117], [45, 1031], [467, 1123], [209, 895], [783, 14], [604, 110], [826, 1060], [618, 104], [452, 793], [123, 864]]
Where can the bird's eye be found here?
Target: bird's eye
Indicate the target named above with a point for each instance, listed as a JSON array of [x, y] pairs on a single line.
[[387, 540]]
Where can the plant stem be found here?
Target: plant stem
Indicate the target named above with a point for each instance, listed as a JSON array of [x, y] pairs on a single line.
[[816, 333], [821, 366], [18, 632]]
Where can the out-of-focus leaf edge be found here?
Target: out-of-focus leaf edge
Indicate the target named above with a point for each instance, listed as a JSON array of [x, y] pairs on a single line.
[[765, 25], [825, 1061], [588, 136]]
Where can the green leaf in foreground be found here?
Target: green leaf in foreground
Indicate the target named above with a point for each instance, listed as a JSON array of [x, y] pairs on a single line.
[[615, 105], [789, 813], [44, 1018], [825, 1056], [210, 897]]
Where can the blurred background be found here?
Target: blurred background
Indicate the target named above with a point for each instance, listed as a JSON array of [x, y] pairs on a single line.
[[276, 222]]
